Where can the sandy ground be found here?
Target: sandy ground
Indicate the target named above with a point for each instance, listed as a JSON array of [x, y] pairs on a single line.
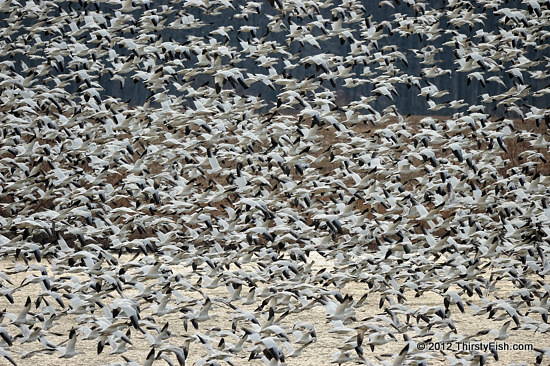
[[317, 353]]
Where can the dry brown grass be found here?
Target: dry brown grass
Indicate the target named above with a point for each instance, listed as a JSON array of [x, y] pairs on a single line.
[[327, 142]]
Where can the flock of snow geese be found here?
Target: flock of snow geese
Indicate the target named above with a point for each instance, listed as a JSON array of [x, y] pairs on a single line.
[[212, 221]]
